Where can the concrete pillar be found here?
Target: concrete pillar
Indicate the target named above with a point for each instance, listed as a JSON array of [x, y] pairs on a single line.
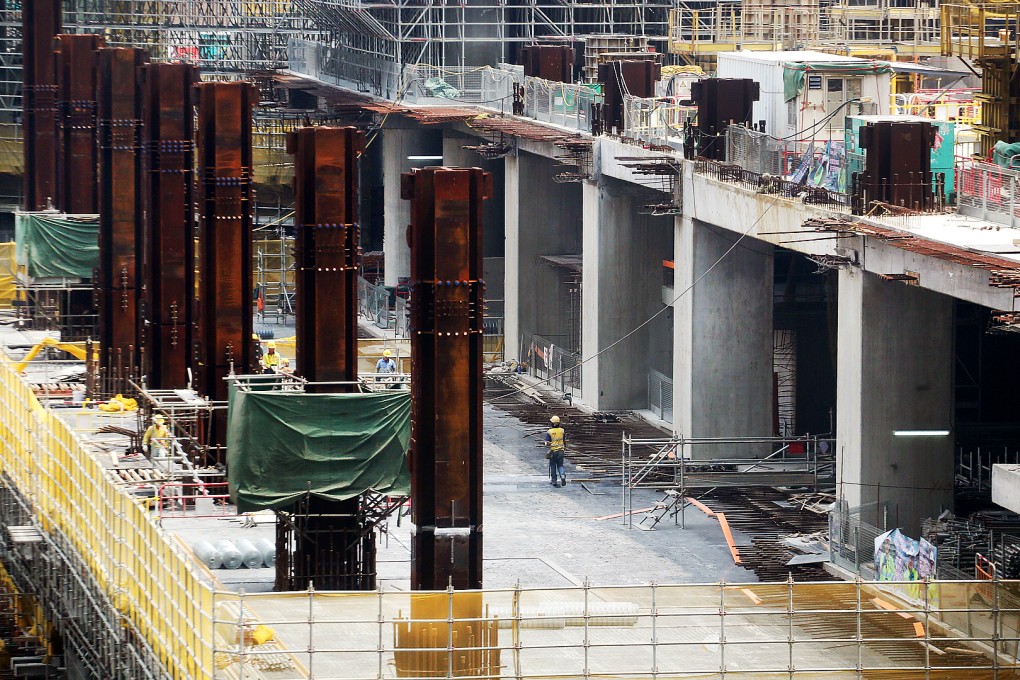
[[894, 373], [542, 218], [722, 370], [399, 143], [622, 292]]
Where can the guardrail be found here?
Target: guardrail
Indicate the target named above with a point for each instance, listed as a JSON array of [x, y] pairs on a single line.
[[988, 191], [427, 84], [561, 103], [656, 120]]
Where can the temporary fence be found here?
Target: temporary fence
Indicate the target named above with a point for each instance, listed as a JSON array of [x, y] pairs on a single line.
[[656, 120], [374, 303], [660, 395], [739, 631], [427, 84], [767, 183], [988, 191], [558, 367], [561, 103]]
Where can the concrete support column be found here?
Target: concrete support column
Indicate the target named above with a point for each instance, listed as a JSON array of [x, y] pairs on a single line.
[[894, 373], [722, 371], [542, 218], [626, 331], [398, 145]]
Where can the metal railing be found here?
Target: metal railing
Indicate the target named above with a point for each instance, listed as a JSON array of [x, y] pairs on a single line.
[[656, 120], [558, 367], [560, 103], [980, 30], [988, 191], [771, 184], [374, 303], [427, 84], [660, 395]]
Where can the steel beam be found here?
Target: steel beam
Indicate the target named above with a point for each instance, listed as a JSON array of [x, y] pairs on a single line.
[[332, 544], [225, 219], [41, 21], [120, 209], [77, 79], [447, 311], [168, 244]]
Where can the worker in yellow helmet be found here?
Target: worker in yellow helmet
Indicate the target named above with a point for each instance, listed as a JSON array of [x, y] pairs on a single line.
[[556, 441], [386, 364], [270, 360], [156, 435]]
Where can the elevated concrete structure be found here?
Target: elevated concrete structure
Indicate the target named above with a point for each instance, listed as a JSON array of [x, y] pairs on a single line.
[[722, 379], [402, 142], [895, 382], [617, 344]]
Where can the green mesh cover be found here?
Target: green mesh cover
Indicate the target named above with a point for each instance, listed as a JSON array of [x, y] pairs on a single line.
[[57, 245], [282, 445]]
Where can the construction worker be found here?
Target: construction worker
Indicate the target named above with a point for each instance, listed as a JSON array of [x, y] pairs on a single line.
[[555, 440], [386, 364], [158, 435], [270, 360]]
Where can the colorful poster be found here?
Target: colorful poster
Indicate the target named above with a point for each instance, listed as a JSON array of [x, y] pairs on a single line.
[[901, 558]]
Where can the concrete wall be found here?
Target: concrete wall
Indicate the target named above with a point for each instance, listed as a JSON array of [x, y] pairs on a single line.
[[542, 218], [894, 372], [722, 376], [622, 289], [456, 156], [398, 144]]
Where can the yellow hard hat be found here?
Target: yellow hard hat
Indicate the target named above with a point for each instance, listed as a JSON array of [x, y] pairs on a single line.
[[254, 336], [387, 353], [271, 345], [555, 420], [158, 419]]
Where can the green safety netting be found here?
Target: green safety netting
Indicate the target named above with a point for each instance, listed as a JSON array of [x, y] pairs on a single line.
[[282, 445], [57, 245], [795, 72]]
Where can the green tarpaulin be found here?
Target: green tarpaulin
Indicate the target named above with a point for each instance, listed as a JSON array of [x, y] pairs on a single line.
[[282, 445], [795, 72], [57, 245]]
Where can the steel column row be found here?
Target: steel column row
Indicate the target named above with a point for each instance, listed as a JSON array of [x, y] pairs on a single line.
[[331, 544], [120, 207], [225, 250], [447, 311], [168, 283], [41, 21]]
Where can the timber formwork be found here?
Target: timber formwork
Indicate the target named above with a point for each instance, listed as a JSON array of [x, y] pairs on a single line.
[[77, 62], [168, 246], [120, 207], [41, 21], [224, 316], [447, 289], [330, 544]]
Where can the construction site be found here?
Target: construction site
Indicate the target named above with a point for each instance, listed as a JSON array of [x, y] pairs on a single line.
[[709, 307]]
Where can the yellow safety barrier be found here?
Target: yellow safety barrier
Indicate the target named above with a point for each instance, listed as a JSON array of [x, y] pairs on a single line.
[[153, 585]]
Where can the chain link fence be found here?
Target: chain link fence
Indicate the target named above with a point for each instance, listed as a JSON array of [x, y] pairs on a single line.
[[660, 395], [427, 84]]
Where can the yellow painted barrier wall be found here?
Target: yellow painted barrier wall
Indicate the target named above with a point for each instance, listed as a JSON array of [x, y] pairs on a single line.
[[152, 584]]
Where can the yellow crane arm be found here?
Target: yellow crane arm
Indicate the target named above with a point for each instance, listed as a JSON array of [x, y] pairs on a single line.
[[75, 349]]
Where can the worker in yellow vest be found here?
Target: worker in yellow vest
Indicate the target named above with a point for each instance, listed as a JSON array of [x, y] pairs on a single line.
[[156, 435], [555, 440], [270, 360]]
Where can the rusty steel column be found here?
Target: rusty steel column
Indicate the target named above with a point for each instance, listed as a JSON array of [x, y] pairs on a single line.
[[168, 244], [120, 207], [224, 203], [330, 544], [447, 310], [77, 76], [41, 21]]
